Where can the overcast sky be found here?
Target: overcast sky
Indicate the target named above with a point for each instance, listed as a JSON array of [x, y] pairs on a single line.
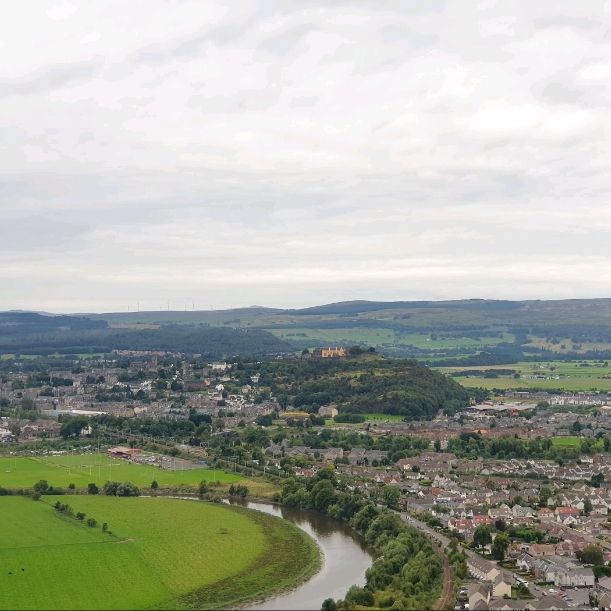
[[219, 154]]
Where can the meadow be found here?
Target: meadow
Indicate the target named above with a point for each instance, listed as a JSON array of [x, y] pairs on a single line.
[[158, 553], [81, 469], [582, 375]]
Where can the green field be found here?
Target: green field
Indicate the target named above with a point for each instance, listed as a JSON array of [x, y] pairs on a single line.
[[80, 469], [544, 375], [161, 553], [573, 441], [385, 337], [384, 418]]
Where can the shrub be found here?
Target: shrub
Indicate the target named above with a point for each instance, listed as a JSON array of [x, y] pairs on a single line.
[[92, 489], [80, 516], [128, 489], [91, 522], [41, 486]]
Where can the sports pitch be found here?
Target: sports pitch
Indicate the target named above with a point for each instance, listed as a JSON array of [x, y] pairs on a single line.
[[81, 469]]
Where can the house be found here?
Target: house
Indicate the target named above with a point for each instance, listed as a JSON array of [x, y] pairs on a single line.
[[482, 569], [360, 456], [328, 411], [546, 603], [479, 595], [501, 586], [542, 550], [503, 512], [333, 353]]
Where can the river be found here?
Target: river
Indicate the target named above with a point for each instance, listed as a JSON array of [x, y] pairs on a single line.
[[345, 560]]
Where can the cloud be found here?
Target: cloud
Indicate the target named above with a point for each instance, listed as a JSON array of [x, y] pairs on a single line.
[[291, 154]]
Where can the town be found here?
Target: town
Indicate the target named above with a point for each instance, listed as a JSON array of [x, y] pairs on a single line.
[[521, 482]]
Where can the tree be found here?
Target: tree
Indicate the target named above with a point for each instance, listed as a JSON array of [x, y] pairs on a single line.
[[80, 516], [203, 488], [154, 485], [328, 605], [544, 496], [128, 489], [391, 495], [73, 427], [500, 546], [500, 525], [41, 486], [482, 536], [105, 527], [91, 522], [591, 554], [587, 507], [92, 488], [28, 404]]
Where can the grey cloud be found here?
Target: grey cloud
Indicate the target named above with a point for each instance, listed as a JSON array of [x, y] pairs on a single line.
[[290, 153], [51, 77], [36, 234]]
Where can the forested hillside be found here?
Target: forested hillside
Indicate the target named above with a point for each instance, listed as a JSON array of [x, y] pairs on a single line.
[[36, 334], [365, 384]]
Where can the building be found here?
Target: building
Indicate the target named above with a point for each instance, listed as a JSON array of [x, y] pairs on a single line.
[[333, 353], [124, 452], [328, 411]]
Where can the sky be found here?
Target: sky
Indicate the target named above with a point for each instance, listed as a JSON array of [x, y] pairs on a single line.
[[179, 154]]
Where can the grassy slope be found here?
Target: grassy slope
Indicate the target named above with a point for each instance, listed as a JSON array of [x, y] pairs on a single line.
[[162, 553]]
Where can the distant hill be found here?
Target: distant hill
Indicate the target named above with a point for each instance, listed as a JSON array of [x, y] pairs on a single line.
[[30, 333], [469, 332], [473, 331]]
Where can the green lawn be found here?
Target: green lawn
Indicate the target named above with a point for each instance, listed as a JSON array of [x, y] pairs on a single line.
[[80, 469], [162, 553]]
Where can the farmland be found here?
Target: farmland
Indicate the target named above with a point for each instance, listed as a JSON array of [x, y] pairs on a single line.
[[80, 469], [581, 375], [159, 553], [382, 337]]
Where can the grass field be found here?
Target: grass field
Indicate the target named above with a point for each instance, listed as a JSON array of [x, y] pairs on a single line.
[[567, 375], [384, 418], [80, 469], [162, 553]]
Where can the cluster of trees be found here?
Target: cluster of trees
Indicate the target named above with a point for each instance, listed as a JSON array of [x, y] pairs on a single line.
[[80, 516], [473, 445], [42, 487], [407, 572], [238, 490], [499, 543], [120, 489]]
